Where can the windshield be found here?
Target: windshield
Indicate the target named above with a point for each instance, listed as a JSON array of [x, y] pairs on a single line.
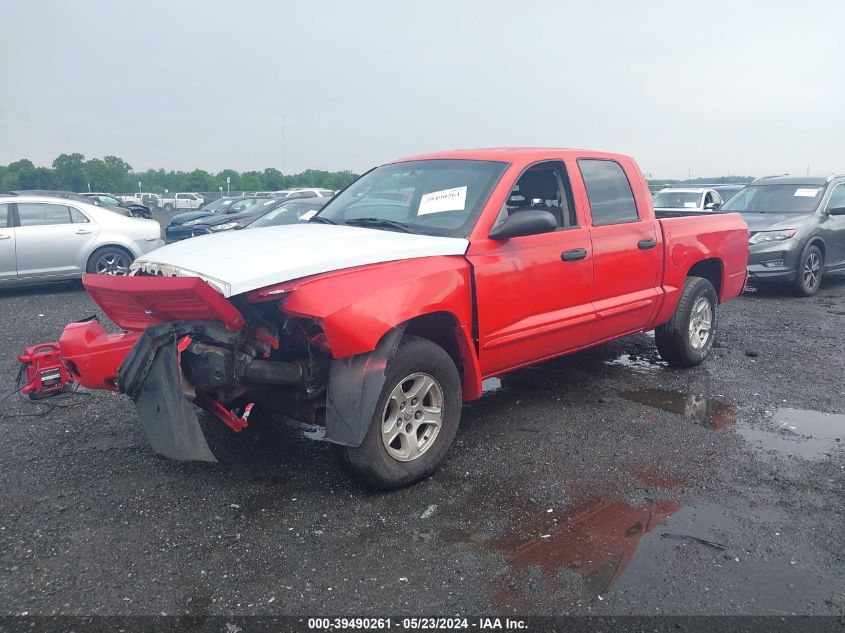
[[217, 205], [428, 197], [775, 198], [676, 200]]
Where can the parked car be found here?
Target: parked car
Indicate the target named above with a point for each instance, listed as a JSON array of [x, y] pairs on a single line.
[[181, 201], [302, 193], [150, 200], [289, 212], [182, 224], [270, 212], [47, 238], [687, 199], [797, 229], [110, 200], [379, 316], [69, 195]]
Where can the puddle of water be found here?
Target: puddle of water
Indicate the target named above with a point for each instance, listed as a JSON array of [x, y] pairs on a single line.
[[638, 363], [491, 385], [728, 575], [810, 435], [594, 546], [312, 432], [612, 553], [713, 413]]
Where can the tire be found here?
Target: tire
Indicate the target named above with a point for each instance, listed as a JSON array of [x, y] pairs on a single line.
[[380, 464], [168, 207], [110, 260], [696, 309], [810, 272]]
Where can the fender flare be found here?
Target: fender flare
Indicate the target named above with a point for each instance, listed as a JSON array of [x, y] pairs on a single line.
[[355, 384]]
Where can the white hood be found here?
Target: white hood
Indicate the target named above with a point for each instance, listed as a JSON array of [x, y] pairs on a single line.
[[235, 262]]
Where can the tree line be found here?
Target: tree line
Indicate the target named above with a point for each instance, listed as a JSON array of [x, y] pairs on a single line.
[[73, 172]]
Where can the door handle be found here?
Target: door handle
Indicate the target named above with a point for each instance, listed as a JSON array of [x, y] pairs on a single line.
[[3, 236], [83, 232], [573, 255], [644, 245]]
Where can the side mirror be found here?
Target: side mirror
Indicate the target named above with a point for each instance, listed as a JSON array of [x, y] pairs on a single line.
[[836, 211], [531, 222], [712, 206]]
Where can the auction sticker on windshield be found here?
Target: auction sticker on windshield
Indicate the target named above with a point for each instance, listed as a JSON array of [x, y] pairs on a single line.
[[445, 200], [806, 193]]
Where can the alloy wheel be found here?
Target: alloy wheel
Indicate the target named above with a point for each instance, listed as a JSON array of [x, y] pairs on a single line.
[[114, 264], [412, 417], [812, 270], [700, 323]]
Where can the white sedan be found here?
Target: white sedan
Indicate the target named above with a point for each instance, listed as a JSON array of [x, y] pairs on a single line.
[[46, 239]]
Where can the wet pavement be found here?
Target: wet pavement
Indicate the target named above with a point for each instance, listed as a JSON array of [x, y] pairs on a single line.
[[604, 483]]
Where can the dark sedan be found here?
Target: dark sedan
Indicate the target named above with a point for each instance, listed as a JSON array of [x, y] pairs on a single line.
[[182, 225], [266, 213], [109, 200]]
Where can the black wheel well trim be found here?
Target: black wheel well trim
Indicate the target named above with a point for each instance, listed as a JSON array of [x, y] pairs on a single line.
[[439, 328], [817, 240], [354, 386], [711, 269]]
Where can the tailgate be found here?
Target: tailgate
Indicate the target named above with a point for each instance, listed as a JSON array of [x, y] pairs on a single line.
[[135, 302]]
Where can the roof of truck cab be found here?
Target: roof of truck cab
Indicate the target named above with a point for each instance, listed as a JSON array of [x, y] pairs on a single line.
[[510, 154]]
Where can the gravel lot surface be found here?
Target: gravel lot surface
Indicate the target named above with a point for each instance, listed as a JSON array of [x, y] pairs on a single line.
[[600, 483]]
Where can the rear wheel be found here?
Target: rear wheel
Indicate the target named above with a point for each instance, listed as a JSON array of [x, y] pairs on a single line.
[[415, 419], [110, 260], [810, 271], [687, 338]]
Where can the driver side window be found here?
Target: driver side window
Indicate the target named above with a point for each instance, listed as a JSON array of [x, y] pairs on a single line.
[[837, 197], [544, 187]]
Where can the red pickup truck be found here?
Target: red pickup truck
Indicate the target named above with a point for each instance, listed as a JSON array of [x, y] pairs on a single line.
[[381, 314]]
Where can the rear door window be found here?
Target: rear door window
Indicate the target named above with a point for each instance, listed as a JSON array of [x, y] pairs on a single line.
[[77, 217], [608, 191], [4, 215], [38, 214]]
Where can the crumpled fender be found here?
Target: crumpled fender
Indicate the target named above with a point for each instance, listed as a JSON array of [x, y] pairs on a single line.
[[357, 307], [363, 312]]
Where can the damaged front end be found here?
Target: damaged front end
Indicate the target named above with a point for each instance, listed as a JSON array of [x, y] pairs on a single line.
[[185, 344]]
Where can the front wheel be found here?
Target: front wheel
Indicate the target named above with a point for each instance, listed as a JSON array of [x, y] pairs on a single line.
[[687, 338], [415, 419], [810, 271]]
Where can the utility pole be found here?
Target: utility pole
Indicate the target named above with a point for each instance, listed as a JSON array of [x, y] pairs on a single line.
[[283, 148]]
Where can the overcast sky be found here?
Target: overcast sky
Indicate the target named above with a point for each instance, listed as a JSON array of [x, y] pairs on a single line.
[[709, 88]]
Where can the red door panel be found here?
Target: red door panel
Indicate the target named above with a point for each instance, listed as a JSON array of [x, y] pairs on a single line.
[[626, 277], [531, 304]]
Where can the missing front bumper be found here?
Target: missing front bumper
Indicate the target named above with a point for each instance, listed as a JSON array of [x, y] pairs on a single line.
[[151, 376]]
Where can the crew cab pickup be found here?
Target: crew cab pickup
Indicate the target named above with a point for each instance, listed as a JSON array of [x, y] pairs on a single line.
[[382, 314], [181, 202]]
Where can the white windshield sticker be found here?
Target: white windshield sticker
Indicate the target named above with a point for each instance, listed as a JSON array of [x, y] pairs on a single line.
[[806, 193], [690, 205], [307, 215], [446, 200]]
